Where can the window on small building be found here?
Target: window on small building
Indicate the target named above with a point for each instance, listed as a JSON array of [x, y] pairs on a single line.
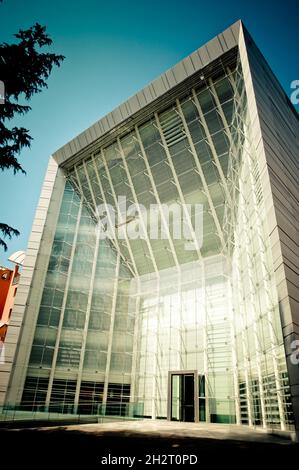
[[15, 291], [9, 315]]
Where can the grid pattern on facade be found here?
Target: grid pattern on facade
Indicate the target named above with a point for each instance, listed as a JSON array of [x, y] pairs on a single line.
[[122, 313]]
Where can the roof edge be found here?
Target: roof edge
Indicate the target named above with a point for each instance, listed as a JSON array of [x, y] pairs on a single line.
[[191, 64]]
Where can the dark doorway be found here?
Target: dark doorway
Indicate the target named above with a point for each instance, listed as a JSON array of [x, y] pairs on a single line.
[[182, 397]]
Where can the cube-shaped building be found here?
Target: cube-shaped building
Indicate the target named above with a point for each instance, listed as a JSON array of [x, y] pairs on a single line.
[[162, 272]]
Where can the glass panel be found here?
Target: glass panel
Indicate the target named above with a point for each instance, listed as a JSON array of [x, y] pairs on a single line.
[[176, 397]]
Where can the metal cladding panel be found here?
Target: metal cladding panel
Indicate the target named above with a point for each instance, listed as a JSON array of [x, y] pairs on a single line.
[[117, 116], [148, 94], [159, 86], [189, 67], [204, 55], [141, 98], [124, 110], [134, 104], [179, 72], [196, 60], [214, 48], [170, 77], [110, 119], [230, 35]]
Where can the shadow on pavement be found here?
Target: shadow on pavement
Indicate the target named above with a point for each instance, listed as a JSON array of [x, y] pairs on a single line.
[[38, 448]]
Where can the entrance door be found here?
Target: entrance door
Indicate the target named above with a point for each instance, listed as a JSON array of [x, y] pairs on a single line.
[[183, 388]]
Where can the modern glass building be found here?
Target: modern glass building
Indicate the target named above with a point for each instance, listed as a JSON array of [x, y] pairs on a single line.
[[145, 322]]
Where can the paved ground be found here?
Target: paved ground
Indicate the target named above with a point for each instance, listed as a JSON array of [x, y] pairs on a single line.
[[172, 430], [137, 444]]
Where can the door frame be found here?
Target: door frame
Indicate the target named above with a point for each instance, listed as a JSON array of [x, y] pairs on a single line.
[[196, 392]]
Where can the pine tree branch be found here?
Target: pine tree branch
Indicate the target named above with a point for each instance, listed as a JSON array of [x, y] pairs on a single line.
[[9, 232]]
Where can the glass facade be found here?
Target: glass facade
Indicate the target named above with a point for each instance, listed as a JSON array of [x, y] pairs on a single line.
[[117, 315]]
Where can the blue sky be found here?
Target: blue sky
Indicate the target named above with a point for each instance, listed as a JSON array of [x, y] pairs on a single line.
[[112, 49]]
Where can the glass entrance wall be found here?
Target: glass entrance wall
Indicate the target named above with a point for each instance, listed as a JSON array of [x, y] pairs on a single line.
[[118, 314], [186, 327]]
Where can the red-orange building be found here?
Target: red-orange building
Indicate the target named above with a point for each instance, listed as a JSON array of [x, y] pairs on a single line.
[[9, 281]]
